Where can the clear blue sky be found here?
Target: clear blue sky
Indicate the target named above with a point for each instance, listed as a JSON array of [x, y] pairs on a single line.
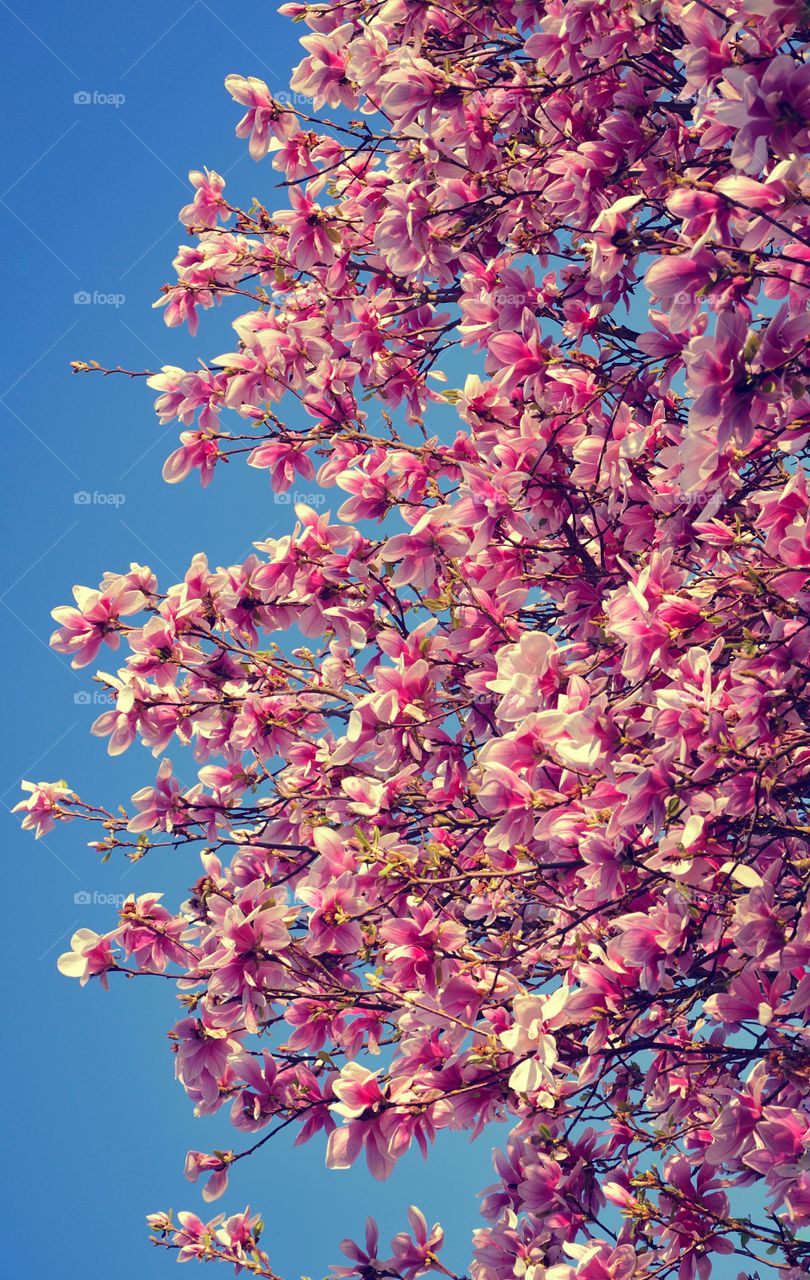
[[95, 1127]]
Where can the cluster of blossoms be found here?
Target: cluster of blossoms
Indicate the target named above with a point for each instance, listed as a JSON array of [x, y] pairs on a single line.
[[509, 820]]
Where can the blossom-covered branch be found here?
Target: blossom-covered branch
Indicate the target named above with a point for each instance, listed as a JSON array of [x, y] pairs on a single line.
[[501, 766]]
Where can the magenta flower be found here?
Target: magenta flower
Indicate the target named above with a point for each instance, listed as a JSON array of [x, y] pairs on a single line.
[[678, 281], [332, 926], [364, 1260], [768, 108], [284, 461]]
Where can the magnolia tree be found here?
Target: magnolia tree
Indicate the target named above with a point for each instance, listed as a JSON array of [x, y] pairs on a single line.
[[500, 768]]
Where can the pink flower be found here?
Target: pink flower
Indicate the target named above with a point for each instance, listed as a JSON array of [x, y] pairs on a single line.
[[415, 553], [322, 75], [677, 280], [239, 1235], [150, 934], [357, 1091], [44, 806], [90, 956], [417, 944], [199, 449], [202, 1054], [82, 631], [217, 1165], [283, 459], [609, 229], [264, 1092], [163, 806], [530, 1038], [331, 925], [748, 999], [645, 942], [414, 1253], [265, 119], [768, 108], [208, 204], [364, 1260], [517, 360], [192, 1238], [307, 224], [402, 234]]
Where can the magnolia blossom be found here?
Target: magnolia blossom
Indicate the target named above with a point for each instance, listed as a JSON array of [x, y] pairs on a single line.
[[90, 956], [45, 806], [530, 1036]]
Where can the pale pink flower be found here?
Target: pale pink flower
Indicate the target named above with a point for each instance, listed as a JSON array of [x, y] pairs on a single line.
[[265, 119], [197, 1162], [208, 204], [90, 956], [83, 630], [44, 806]]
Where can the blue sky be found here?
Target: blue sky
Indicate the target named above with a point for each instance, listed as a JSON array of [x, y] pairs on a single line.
[[95, 1126]]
